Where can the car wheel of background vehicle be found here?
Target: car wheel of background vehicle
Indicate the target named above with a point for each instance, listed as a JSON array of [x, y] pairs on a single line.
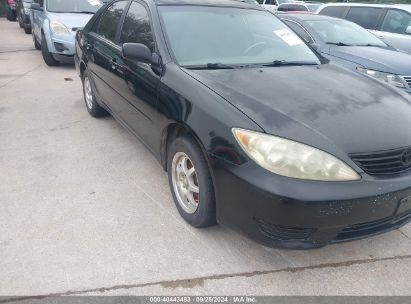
[[36, 44], [27, 30], [93, 107], [47, 56], [11, 16], [190, 182]]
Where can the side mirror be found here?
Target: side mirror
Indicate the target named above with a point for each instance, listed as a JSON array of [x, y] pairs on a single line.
[[137, 52], [35, 6], [316, 47], [408, 30]]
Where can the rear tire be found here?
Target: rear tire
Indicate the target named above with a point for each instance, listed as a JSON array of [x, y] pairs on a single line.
[[92, 106], [36, 44], [193, 192], [10, 15], [47, 56], [27, 30]]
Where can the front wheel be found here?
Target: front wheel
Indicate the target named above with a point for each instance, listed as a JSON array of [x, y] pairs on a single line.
[[47, 56], [190, 182]]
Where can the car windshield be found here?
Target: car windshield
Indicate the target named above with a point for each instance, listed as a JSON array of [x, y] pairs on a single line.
[[200, 35], [73, 6], [344, 33], [283, 1]]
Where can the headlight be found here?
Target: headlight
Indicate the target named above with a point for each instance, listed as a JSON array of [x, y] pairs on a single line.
[[59, 28], [289, 158], [390, 78]]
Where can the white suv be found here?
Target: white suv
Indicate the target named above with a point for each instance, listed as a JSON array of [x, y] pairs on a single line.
[[272, 5], [390, 22]]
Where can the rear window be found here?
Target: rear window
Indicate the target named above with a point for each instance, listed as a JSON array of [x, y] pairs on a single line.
[[333, 11], [367, 17]]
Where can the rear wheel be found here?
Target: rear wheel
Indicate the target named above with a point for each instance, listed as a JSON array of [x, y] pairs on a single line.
[[93, 107], [11, 16], [36, 44], [27, 30], [47, 56], [190, 182]]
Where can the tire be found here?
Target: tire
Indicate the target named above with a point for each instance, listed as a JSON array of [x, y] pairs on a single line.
[[10, 15], [204, 214], [36, 44], [47, 56], [92, 106], [27, 30]]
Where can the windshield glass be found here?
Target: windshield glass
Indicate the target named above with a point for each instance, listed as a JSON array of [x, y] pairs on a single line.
[[344, 32], [73, 6], [200, 35], [283, 1]]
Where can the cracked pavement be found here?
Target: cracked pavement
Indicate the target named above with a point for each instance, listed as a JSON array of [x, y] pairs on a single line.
[[85, 209]]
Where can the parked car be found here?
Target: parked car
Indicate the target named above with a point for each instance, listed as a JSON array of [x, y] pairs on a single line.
[[272, 5], [23, 14], [55, 23], [390, 22], [11, 10], [349, 44], [299, 7], [255, 130]]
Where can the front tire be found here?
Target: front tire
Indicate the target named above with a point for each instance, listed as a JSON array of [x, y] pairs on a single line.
[[93, 107], [47, 56], [190, 182]]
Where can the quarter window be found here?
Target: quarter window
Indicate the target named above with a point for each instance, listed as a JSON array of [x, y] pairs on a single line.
[[136, 27], [107, 27], [396, 22], [367, 17]]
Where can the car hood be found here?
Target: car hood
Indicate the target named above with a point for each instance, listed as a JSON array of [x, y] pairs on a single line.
[[380, 59], [324, 106], [71, 20]]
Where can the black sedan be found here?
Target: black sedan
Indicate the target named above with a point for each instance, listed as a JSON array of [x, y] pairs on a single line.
[[354, 47], [256, 131]]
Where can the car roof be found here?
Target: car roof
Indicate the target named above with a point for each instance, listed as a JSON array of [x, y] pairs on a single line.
[[307, 17], [406, 7], [220, 3]]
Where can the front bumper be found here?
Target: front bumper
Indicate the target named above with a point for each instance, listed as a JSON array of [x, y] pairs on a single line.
[[283, 212]]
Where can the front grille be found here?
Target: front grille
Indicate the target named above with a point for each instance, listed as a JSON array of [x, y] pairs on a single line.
[[366, 229], [408, 80], [283, 233], [384, 162]]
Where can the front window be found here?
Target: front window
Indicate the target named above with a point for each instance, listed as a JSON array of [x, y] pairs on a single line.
[[203, 35], [74, 6], [342, 32]]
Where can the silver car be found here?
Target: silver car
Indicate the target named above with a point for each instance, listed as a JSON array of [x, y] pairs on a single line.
[[54, 25], [390, 22]]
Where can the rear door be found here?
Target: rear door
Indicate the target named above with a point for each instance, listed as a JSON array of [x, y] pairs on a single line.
[[393, 29], [104, 55]]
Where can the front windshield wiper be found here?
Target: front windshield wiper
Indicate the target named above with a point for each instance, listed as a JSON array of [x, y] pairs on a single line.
[[339, 43], [211, 66], [277, 63], [370, 44]]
